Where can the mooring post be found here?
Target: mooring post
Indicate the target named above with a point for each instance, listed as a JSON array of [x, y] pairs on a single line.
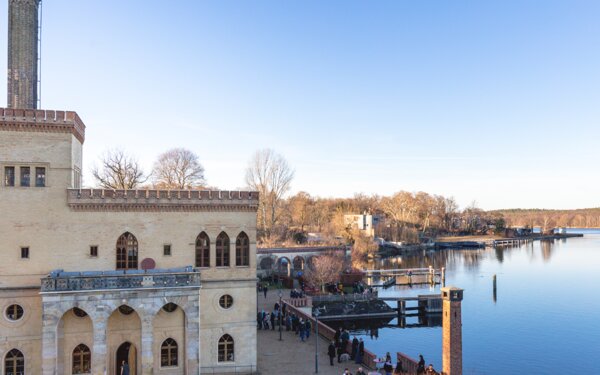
[[443, 276], [494, 287], [431, 279]]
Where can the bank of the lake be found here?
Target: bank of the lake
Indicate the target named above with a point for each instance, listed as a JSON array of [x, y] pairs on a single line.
[[544, 319]]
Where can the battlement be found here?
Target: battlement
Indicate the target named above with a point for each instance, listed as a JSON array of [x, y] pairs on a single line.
[[37, 120], [161, 200]]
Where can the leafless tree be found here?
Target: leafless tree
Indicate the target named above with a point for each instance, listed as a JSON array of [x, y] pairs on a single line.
[[178, 168], [324, 269], [118, 170], [269, 173]]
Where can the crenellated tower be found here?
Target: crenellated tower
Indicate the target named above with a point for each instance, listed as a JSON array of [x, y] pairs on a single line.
[[23, 26]]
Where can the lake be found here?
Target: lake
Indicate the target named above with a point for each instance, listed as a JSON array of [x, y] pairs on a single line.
[[545, 319]]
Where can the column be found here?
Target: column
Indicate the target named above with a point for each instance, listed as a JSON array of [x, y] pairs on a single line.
[[99, 350], [147, 343], [49, 345], [192, 336], [451, 331]]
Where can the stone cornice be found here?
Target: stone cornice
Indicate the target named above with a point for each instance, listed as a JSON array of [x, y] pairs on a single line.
[[45, 121], [161, 200]]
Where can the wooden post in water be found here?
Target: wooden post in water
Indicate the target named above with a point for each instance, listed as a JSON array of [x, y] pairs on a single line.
[[494, 287], [443, 276], [430, 276]]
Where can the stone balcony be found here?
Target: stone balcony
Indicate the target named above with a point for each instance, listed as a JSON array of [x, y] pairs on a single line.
[[161, 200], [59, 281]]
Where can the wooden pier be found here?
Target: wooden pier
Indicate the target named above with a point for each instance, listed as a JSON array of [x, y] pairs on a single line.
[[425, 304], [406, 276]]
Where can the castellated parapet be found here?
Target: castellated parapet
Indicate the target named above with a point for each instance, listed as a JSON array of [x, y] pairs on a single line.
[[36, 120]]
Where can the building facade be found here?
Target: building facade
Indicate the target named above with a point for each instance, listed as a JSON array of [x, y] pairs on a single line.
[[93, 280]]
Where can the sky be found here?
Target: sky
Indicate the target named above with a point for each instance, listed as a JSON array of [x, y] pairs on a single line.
[[496, 103]]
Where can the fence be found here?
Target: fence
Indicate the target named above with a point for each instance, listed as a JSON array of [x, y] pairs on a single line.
[[408, 364], [329, 333], [299, 302], [344, 297]]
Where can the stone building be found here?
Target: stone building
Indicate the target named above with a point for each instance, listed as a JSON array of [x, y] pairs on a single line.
[[95, 280]]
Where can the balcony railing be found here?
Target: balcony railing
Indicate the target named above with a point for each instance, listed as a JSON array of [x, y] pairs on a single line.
[[60, 281]]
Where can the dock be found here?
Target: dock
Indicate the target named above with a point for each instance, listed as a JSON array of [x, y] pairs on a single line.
[[405, 276], [518, 241], [424, 304]]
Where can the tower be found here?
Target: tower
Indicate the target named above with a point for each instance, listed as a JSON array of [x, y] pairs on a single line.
[[452, 331], [22, 53]]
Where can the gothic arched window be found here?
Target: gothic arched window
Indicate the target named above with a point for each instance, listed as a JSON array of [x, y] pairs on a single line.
[[242, 250], [82, 360], [14, 363], [168, 353], [226, 349], [127, 252], [202, 250], [222, 247]]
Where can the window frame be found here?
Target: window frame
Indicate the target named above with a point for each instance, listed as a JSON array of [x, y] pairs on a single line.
[[242, 250], [125, 260], [167, 250], [169, 350], [223, 250], [22, 174], [5, 181], [84, 355], [15, 356], [202, 250], [226, 349], [25, 252], [93, 251], [16, 311]]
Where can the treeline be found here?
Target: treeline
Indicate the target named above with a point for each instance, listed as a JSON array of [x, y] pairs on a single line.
[[581, 218], [403, 216]]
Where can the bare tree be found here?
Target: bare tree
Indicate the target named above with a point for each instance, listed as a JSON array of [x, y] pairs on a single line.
[[269, 174], [178, 168], [118, 170], [324, 269]]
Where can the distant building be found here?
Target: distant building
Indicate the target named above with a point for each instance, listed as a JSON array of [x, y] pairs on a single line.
[[364, 223]]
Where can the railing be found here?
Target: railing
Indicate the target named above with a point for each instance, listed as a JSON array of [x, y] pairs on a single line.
[[299, 302], [59, 281], [408, 364], [329, 333], [344, 297], [230, 369]]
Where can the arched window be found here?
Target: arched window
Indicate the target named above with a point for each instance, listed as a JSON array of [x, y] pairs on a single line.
[[168, 353], [82, 360], [242, 250], [202, 250], [222, 246], [127, 252], [226, 349], [14, 363]]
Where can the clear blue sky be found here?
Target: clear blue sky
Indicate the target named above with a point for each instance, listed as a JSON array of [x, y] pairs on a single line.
[[493, 102]]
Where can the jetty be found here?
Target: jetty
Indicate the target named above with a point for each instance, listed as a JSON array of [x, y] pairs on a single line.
[[405, 276]]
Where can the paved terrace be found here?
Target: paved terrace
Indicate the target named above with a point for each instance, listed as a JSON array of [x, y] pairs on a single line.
[[292, 356]]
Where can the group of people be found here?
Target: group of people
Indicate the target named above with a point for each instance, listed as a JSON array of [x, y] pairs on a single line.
[[296, 293], [289, 320], [339, 347], [421, 367]]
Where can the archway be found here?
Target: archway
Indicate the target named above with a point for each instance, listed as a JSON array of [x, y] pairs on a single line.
[[298, 263], [266, 263], [126, 356], [282, 264]]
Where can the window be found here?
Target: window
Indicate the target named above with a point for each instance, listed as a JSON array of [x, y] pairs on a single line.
[[93, 251], [14, 312], [25, 176], [76, 178], [222, 245], [14, 363], [226, 349], [9, 176], [202, 250], [168, 353], [79, 312], [82, 360], [170, 307], [125, 310], [242, 250], [166, 249], [127, 252], [40, 176], [226, 301], [24, 253]]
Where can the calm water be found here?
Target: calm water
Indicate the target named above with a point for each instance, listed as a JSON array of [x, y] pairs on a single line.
[[545, 319]]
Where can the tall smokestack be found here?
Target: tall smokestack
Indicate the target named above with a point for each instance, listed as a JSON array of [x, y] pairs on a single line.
[[22, 53]]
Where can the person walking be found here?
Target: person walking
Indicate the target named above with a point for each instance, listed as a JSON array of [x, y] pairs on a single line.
[[360, 352], [421, 365], [360, 371], [354, 348], [399, 370], [307, 327], [302, 330], [266, 320], [273, 321], [388, 368], [331, 352], [265, 290], [124, 368]]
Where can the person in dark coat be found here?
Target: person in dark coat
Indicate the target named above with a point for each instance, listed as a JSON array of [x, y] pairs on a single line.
[[273, 321], [331, 352], [265, 290], [354, 348], [360, 352], [124, 368], [421, 365]]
